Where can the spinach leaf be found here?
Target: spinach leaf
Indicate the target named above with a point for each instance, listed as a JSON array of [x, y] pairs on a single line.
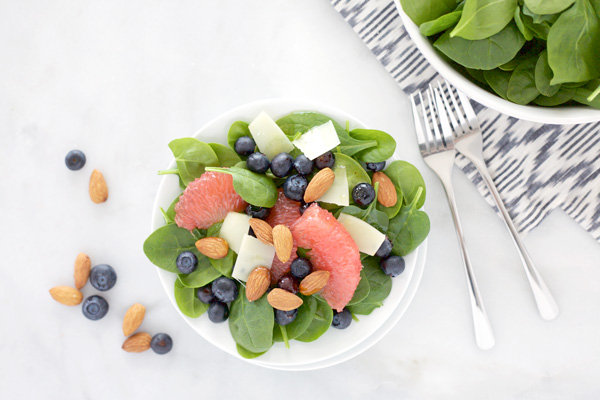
[[256, 189], [236, 131], [320, 323], [527, 33], [246, 353], [539, 18], [380, 286], [426, 10], [483, 18], [583, 96], [192, 156], [562, 96], [226, 156], [169, 215], [306, 314], [409, 228], [204, 274], [392, 211], [187, 301], [521, 86], [498, 81], [543, 76], [548, 6], [408, 178], [362, 290], [354, 171], [440, 24], [386, 145], [539, 30], [164, 245], [251, 323]]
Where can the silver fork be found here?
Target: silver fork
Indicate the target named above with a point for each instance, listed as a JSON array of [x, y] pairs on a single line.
[[438, 153], [468, 141]]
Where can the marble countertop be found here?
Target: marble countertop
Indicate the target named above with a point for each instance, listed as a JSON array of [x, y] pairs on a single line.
[[119, 80]]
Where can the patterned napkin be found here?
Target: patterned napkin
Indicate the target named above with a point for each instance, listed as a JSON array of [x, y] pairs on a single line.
[[536, 167]]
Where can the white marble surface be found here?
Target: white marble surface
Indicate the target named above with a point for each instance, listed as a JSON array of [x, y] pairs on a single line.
[[119, 80]]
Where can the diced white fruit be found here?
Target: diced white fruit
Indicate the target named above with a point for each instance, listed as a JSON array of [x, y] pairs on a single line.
[[338, 192], [269, 137], [318, 140], [253, 253], [235, 227], [367, 238]]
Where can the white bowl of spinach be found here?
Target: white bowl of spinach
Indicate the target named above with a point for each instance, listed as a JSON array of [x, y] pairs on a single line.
[[328, 346], [531, 59]]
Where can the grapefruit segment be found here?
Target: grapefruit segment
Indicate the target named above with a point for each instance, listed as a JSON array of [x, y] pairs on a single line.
[[286, 212]]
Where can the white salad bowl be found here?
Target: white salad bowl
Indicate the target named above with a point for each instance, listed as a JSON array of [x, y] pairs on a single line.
[[546, 115], [335, 345]]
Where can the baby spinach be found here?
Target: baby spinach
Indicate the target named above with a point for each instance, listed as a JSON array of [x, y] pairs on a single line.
[[380, 287], [563, 95], [543, 76], [169, 215], [440, 24], [226, 156], [362, 290], [191, 156], [408, 179], [521, 86], [527, 33], [251, 323], [246, 353], [498, 81], [384, 149], [409, 228], [320, 323], [164, 245], [427, 10], [236, 131], [548, 6], [483, 18], [256, 189], [297, 123], [187, 301], [583, 96], [306, 314], [354, 171], [392, 211], [204, 274]]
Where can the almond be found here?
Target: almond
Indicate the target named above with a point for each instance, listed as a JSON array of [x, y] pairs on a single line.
[[262, 230], [98, 188], [133, 318], [258, 283], [66, 295], [318, 185], [314, 282], [283, 242], [386, 194], [137, 343], [83, 264], [283, 300], [213, 247]]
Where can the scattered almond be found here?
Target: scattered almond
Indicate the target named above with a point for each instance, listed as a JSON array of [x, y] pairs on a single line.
[[283, 300], [137, 343], [283, 242], [98, 188], [83, 265], [314, 282], [258, 282], [213, 247], [319, 184], [66, 295], [386, 194], [133, 318], [262, 230]]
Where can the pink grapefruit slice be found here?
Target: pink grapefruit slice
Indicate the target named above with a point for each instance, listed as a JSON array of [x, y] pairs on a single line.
[[286, 212]]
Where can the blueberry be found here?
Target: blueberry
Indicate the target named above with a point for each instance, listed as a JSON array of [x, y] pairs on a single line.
[[392, 266], [294, 187], [75, 160], [385, 249], [257, 212], [285, 317], [94, 307], [288, 283], [244, 145], [103, 277], [363, 194], [251, 232], [257, 162], [326, 160], [303, 165], [282, 164], [304, 206], [300, 268], [186, 262], [218, 312], [161, 343], [341, 320], [375, 166], [224, 289], [205, 294]]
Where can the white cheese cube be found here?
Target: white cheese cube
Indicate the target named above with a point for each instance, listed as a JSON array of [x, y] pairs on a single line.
[[235, 227], [253, 253], [338, 193], [269, 137], [318, 140], [367, 238]]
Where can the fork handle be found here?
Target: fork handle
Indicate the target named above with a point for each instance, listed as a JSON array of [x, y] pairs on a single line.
[[484, 335]]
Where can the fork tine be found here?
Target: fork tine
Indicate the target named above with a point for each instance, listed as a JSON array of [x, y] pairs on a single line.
[[466, 103], [443, 117], [463, 122], [455, 127], [429, 139], [437, 136], [423, 145]]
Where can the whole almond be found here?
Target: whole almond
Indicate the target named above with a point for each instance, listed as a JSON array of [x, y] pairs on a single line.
[[314, 282], [283, 242], [258, 282], [98, 188], [386, 195], [283, 300], [66, 295], [213, 247], [137, 343], [262, 230], [133, 318], [83, 265], [319, 184]]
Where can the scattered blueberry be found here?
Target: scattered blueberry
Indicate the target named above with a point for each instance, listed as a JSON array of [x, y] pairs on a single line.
[[251, 232], [300, 268], [341, 320], [288, 283], [282, 164], [218, 312], [385, 249], [285, 317], [186, 262], [363, 194], [224, 289], [257, 212], [375, 166], [75, 160], [392, 266], [294, 187], [304, 206], [326, 160], [244, 145], [94, 307], [161, 343], [303, 165], [258, 162], [205, 294], [103, 277]]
